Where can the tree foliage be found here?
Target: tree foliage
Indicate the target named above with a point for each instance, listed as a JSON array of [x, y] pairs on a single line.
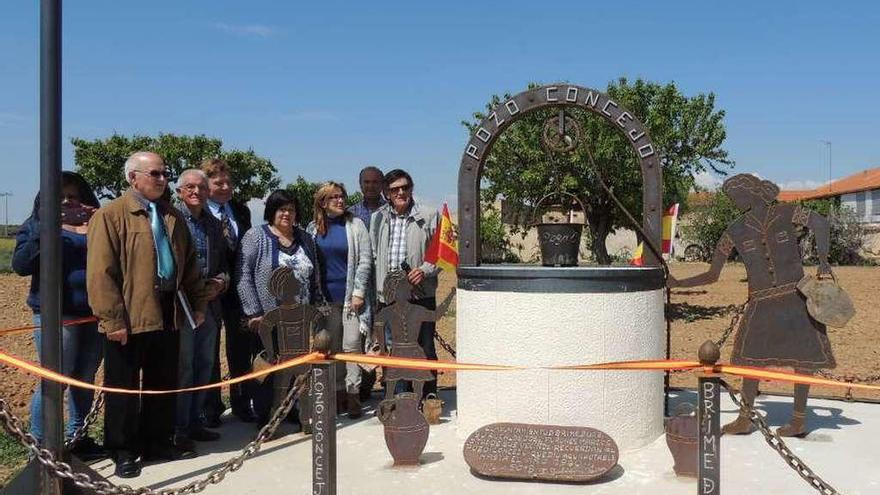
[[102, 161], [847, 233], [305, 194], [708, 223], [687, 132]]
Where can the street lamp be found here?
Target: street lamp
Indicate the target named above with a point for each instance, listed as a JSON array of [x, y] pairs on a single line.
[[6, 208], [828, 145]]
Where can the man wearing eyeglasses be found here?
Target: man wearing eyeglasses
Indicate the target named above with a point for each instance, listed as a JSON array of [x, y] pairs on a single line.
[[400, 232], [143, 279], [197, 353]]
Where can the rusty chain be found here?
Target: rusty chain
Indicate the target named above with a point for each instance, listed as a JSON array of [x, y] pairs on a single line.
[[775, 441], [734, 323], [91, 417], [13, 425], [849, 378], [444, 344]]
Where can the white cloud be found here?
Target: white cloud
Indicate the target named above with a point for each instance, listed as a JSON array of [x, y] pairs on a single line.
[[255, 30], [801, 185]]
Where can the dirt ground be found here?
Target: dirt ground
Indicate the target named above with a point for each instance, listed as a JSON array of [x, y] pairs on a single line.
[[699, 314]]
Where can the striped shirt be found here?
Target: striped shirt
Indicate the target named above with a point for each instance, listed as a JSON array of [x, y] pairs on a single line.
[[397, 246]]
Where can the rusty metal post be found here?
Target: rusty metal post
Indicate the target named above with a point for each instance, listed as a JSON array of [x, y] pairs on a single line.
[[323, 399], [709, 421], [50, 231]]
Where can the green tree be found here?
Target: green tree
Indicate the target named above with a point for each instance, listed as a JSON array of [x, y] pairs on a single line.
[[687, 132], [708, 223], [102, 161], [305, 194], [847, 233]]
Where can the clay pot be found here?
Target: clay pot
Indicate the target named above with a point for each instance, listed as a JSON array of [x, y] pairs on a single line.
[[432, 407], [681, 438], [406, 430]]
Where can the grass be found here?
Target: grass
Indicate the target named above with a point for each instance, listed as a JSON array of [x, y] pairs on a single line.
[[7, 245]]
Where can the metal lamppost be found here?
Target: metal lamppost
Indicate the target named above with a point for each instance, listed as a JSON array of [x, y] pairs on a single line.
[[828, 145], [6, 208]]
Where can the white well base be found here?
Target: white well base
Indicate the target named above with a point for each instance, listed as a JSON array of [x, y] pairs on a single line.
[[548, 329]]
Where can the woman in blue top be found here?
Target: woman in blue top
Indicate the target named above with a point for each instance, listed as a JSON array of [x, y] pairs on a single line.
[[82, 345], [346, 264], [263, 249]]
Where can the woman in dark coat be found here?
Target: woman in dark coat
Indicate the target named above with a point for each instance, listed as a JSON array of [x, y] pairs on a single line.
[[776, 329], [82, 345]]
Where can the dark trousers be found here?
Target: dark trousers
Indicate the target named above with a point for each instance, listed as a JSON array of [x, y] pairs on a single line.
[[133, 423], [242, 346], [425, 340]]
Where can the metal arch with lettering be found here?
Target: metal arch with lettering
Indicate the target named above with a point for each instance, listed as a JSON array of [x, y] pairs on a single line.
[[548, 96]]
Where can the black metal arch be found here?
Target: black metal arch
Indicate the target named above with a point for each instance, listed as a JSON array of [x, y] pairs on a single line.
[[554, 95]]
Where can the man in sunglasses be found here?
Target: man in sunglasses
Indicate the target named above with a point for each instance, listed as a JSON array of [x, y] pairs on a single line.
[[143, 279], [400, 232]]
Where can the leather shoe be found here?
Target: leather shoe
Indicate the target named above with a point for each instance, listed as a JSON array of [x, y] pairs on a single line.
[[87, 450], [245, 415], [203, 435], [127, 465], [213, 422], [181, 448]]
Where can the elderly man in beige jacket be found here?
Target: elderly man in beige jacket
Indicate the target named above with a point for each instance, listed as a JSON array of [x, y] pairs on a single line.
[[144, 283]]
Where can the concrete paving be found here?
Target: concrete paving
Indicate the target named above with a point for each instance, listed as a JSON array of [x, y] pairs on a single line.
[[843, 448]]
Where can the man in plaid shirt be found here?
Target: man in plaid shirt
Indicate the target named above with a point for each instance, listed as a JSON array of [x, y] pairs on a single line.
[[400, 232]]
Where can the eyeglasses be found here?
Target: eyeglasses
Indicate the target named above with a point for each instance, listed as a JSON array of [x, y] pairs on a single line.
[[336, 197], [155, 174], [193, 187], [394, 190]]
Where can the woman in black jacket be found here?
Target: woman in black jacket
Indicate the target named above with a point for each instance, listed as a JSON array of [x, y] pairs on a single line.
[[82, 345]]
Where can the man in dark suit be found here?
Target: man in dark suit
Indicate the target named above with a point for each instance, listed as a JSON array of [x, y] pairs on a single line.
[[241, 344]]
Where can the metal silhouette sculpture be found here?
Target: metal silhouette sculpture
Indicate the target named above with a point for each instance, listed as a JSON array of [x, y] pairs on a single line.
[[405, 320], [776, 328], [285, 332]]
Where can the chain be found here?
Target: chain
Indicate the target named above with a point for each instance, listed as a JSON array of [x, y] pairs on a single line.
[[734, 323], [63, 470], [849, 379], [444, 344], [80, 432], [775, 441]]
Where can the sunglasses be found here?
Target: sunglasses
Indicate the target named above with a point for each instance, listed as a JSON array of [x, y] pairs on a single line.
[[395, 190], [156, 174]]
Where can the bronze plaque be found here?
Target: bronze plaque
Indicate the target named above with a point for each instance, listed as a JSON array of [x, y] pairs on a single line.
[[540, 452]]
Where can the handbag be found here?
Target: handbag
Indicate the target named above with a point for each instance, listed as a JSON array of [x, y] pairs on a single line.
[[827, 302]]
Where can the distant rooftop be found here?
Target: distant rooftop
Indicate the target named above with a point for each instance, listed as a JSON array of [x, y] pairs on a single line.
[[865, 180]]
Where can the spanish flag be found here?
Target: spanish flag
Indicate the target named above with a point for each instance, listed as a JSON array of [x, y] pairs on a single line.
[[443, 250], [637, 259], [670, 222]]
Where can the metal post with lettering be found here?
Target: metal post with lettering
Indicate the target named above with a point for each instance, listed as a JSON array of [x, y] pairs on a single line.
[[323, 399], [709, 421]]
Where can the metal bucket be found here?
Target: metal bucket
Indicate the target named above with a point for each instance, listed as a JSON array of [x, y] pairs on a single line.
[[559, 241], [681, 438]]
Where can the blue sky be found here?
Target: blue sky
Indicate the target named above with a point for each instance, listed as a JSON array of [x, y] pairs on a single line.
[[324, 88]]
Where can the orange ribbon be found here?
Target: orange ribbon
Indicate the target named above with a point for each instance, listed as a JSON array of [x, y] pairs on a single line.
[[54, 376], [425, 364], [77, 321], [787, 376], [419, 364]]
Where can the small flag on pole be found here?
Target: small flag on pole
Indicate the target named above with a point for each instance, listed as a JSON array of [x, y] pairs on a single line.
[[670, 222], [443, 250], [637, 259]]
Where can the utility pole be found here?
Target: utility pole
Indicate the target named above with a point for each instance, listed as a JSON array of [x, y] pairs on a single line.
[[828, 145], [6, 209]]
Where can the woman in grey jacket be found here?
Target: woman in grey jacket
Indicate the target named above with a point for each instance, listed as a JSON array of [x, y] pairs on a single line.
[[345, 259]]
